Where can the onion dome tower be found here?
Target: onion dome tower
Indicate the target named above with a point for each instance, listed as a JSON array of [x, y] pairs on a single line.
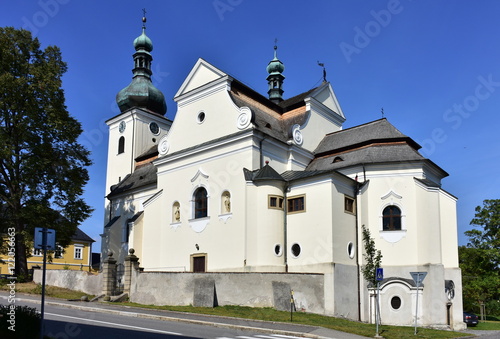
[[141, 92], [275, 78]]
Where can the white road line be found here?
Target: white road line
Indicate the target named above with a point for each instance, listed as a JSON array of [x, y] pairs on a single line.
[[114, 324]]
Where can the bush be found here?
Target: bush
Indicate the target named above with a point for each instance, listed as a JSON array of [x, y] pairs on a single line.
[[26, 322]]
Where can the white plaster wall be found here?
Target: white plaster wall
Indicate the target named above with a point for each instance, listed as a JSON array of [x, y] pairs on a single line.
[[221, 117], [222, 238]]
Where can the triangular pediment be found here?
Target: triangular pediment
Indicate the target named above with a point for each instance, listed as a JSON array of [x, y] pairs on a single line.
[[202, 73], [325, 95]]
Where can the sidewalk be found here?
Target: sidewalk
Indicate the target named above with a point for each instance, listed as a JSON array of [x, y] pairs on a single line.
[[244, 324]]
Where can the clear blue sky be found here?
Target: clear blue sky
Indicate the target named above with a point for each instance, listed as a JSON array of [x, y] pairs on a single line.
[[433, 65]]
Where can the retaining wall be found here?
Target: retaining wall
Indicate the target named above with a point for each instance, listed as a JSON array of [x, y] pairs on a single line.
[[243, 289], [74, 280]]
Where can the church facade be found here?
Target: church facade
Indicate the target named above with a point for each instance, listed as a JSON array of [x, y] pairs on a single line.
[[241, 182]]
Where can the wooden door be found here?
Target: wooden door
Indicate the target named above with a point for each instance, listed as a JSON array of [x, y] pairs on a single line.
[[199, 264]]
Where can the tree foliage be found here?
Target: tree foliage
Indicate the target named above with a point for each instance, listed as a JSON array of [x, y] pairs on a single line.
[[372, 256], [42, 165], [480, 259]]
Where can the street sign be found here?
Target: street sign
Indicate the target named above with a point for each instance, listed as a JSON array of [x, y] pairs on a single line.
[[418, 277], [380, 274], [51, 238]]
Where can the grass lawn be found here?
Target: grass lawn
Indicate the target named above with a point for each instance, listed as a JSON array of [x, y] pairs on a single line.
[[50, 291], [487, 326], [270, 314]]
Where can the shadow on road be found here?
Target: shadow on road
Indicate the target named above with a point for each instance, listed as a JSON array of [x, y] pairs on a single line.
[[65, 330]]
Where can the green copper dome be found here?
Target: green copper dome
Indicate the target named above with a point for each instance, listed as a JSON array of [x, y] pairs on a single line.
[[141, 92], [275, 65], [143, 42]]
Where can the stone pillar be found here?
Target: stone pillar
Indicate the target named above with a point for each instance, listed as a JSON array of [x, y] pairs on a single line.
[[131, 266], [109, 275]]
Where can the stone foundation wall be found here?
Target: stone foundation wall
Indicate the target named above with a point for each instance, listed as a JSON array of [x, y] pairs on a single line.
[[243, 289], [74, 280]]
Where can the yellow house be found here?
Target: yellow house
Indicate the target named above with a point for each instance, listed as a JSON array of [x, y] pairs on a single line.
[[76, 256]]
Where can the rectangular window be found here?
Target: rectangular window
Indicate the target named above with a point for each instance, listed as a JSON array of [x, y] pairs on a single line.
[[37, 252], [296, 204], [349, 204], [78, 251], [275, 201]]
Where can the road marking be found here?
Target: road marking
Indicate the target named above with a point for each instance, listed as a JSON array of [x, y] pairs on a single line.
[[115, 324]]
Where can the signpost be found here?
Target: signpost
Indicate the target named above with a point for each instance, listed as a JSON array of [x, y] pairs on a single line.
[[418, 277], [379, 274], [45, 239]]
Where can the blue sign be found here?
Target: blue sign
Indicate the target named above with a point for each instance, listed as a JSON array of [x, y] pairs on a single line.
[[50, 241], [380, 274]]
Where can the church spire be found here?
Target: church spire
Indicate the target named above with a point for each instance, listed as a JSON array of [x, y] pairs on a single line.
[[275, 78], [141, 92]]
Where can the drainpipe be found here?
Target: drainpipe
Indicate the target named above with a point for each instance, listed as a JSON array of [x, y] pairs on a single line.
[[356, 192], [285, 211]]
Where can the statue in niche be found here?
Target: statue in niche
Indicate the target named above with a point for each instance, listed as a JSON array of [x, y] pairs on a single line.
[[227, 203], [177, 213]]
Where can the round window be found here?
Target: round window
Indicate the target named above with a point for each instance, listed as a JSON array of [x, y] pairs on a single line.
[[396, 302], [296, 250], [154, 128], [350, 250], [277, 250], [201, 117]]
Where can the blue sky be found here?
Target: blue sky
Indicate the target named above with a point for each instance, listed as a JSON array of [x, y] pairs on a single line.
[[433, 66]]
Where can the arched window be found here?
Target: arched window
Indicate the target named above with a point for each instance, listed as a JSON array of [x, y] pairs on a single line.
[[226, 202], [121, 145], [200, 203], [391, 218]]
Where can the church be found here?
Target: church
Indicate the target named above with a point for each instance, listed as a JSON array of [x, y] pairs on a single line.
[[241, 182]]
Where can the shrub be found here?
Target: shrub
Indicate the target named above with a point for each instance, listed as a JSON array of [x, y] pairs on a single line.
[[26, 322]]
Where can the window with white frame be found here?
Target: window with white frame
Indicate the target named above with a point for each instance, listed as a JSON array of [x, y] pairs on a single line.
[[78, 251], [37, 252]]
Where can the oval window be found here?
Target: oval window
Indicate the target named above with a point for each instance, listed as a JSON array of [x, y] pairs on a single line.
[[296, 250], [396, 302]]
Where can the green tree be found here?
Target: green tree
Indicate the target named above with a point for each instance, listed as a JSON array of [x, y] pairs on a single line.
[[480, 259], [42, 165], [372, 256]]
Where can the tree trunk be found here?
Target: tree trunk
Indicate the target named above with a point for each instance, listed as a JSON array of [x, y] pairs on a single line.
[[20, 260]]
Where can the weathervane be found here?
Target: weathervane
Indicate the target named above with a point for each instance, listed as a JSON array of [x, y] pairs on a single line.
[[382, 111], [324, 70]]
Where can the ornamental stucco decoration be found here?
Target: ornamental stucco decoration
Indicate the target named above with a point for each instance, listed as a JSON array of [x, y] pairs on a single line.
[[244, 118], [163, 145], [298, 139]]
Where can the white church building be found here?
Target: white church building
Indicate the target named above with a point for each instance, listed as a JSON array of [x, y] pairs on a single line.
[[241, 182]]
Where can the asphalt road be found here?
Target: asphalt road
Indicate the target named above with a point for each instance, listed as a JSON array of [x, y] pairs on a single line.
[[62, 322]]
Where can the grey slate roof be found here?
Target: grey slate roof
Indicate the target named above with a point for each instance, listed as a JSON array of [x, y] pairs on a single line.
[[367, 155], [378, 130], [81, 236], [267, 173], [112, 221], [142, 176], [428, 183]]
